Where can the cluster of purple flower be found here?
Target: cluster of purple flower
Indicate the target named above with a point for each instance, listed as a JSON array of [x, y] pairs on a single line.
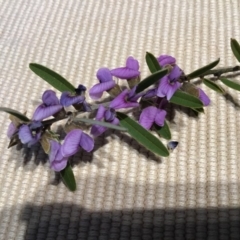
[[30, 133]]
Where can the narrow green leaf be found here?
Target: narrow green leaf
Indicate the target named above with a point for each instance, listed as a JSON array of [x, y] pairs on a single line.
[[68, 178], [104, 124], [150, 80], [213, 86], [152, 63], [15, 113], [198, 110], [163, 131], [186, 100], [230, 84], [235, 48], [143, 136], [53, 78], [202, 70]]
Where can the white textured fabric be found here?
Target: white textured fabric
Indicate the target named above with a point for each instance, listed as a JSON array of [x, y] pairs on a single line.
[[123, 191]]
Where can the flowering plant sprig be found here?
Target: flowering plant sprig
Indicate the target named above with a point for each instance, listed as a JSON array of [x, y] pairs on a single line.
[[166, 84]]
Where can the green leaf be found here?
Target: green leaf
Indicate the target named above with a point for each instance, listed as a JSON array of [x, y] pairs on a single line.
[[230, 84], [104, 124], [235, 48], [68, 178], [198, 110], [213, 86], [152, 63], [202, 70], [143, 136], [163, 131], [15, 114], [186, 100], [150, 80], [52, 78]]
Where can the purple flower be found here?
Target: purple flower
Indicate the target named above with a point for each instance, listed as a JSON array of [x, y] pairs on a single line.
[[130, 71], [169, 84], [106, 83], [73, 141], [124, 100], [166, 60], [49, 107], [151, 115], [203, 97], [107, 115], [28, 135], [67, 99]]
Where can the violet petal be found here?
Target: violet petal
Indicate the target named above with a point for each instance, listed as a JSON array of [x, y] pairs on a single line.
[[86, 142], [132, 63], [203, 97], [44, 111], [175, 74], [49, 98], [125, 73], [165, 60], [147, 117], [104, 75], [68, 100], [71, 143], [160, 117], [97, 90], [25, 134], [97, 130], [54, 148], [121, 101], [100, 113]]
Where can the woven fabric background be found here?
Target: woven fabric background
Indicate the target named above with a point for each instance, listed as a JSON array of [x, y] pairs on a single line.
[[123, 191]]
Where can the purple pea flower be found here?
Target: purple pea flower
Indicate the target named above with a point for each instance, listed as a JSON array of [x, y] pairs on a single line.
[[169, 84], [30, 134], [131, 70], [107, 115], [151, 115], [125, 99], [49, 107], [166, 60], [203, 97], [106, 83], [73, 141]]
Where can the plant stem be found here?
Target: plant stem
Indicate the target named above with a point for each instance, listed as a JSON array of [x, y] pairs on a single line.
[[220, 71]]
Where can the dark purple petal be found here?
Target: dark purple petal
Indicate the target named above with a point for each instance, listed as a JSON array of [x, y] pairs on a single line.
[[97, 90], [35, 124], [150, 93], [147, 117], [165, 60], [125, 73], [175, 74], [11, 130], [109, 115], [132, 96], [160, 117], [67, 99], [49, 98], [132, 63], [121, 101], [167, 89], [86, 142], [80, 90], [35, 139], [25, 134], [104, 75], [71, 143], [44, 111], [203, 97], [97, 130]]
